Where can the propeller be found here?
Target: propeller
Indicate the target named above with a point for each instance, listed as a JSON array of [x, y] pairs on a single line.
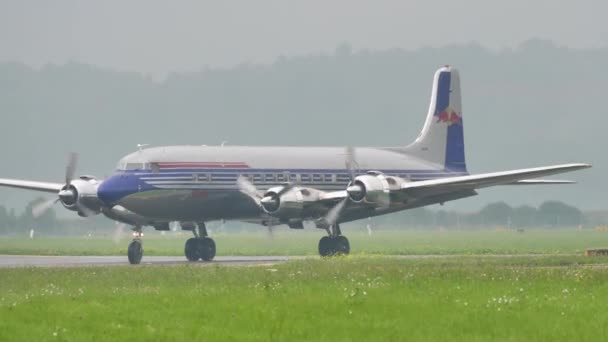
[[247, 188], [369, 226], [270, 200], [350, 161], [70, 168], [333, 215], [40, 208], [67, 194]]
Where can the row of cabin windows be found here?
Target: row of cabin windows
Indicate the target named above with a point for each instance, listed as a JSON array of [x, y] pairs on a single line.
[[271, 178], [256, 178]]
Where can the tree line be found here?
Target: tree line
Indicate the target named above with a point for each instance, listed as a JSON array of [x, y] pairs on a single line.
[[549, 214]]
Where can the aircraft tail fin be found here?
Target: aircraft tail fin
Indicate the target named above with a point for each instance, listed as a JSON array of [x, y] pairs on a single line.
[[442, 138]]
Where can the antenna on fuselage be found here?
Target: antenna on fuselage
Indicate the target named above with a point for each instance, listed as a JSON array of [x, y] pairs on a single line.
[[141, 146], [222, 145]]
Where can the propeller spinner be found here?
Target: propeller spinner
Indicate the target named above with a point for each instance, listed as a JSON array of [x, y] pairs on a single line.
[[68, 195]]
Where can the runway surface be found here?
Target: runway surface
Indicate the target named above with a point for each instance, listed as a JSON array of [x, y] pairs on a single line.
[[7, 261], [79, 261]]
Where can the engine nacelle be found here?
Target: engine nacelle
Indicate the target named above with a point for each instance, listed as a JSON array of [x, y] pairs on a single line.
[[373, 188], [122, 214], [290, 204], [81, 195]]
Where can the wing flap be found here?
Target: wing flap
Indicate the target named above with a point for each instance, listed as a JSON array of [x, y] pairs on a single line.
[[443, 185], [31, 185]]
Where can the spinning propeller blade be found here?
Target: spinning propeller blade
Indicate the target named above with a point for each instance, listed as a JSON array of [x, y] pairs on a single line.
[[42, 207], [70, 171]]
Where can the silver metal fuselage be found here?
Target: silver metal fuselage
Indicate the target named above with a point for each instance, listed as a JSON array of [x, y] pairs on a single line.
[[198, 183]]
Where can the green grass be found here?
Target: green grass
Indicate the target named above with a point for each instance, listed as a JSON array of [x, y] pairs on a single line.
[[289, 242], [543, 298]]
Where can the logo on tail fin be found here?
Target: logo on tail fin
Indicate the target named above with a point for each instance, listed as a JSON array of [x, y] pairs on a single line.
[[449, 116]]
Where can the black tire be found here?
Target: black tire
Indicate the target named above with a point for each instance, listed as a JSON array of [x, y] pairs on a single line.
[[135, 252], [341, 245], [326, 246], [206, 249], [191, 250]]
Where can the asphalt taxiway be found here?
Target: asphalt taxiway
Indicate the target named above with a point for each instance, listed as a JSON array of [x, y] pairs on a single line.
[[7, 261]]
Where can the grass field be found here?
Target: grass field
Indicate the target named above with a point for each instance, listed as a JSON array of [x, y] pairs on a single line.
[[556, 295], [289, 242], [544, 298]]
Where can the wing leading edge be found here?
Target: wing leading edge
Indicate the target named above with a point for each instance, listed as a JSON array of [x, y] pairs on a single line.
[[31, 185], [521, 176]]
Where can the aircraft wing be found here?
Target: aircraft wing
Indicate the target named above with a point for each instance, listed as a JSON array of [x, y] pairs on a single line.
[[31, 185], [472, 182]]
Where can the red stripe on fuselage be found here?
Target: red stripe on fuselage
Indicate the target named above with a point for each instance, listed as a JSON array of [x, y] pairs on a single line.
[[203, 165]]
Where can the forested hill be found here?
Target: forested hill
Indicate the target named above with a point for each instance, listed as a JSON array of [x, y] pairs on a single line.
[[533, 105]]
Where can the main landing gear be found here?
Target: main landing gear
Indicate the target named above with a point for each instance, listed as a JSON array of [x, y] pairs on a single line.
[[136, 250], [335, 243], [201, 246]]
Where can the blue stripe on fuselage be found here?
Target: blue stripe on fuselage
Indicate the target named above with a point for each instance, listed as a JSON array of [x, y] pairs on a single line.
[[125, 183]]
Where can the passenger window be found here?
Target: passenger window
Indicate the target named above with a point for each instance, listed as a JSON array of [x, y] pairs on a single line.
[[280, 177], [342, 177]]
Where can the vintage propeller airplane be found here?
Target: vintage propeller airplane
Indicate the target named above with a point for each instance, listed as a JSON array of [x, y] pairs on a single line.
[[286, 185]]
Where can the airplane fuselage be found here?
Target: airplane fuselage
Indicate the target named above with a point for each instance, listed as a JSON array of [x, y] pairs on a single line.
[[198, 183]]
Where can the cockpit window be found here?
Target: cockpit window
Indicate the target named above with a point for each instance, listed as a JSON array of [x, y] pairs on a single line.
[[132, 166]]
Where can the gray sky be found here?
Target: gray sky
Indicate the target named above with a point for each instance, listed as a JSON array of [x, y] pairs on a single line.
[[157, 37]]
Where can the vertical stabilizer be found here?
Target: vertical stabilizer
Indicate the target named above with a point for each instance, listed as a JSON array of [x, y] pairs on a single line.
[[442, 138]]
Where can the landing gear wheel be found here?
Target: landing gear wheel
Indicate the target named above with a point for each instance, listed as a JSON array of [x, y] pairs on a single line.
[[206, 248], [135, 252], [334, 245], [325, 246], [341, 245], [191, 250]]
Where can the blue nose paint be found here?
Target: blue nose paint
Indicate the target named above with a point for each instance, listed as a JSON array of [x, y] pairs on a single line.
[[116, 187]]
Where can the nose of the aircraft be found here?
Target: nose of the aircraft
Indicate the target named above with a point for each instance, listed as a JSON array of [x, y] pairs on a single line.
[[114, 188]]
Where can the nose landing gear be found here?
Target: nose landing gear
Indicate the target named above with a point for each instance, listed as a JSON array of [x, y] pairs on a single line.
[[135, 252]]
